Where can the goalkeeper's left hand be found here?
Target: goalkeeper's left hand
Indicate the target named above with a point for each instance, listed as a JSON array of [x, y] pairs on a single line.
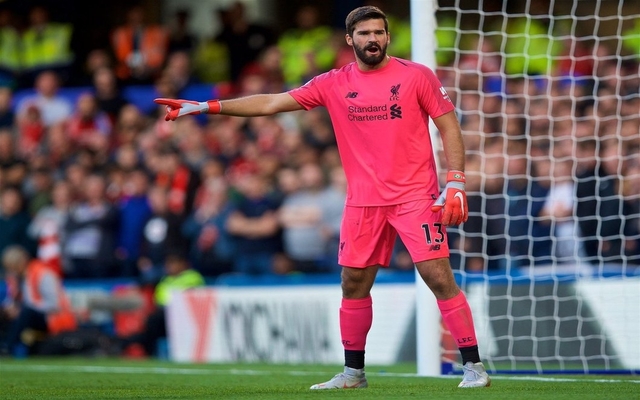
[[178, 108], [453, 200]]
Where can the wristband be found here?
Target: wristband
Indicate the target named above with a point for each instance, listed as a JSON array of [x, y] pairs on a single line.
[[456, 176], [214, 107]]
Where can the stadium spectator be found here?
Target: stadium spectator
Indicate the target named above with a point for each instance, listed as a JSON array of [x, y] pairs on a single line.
[[89, 235], [253, 223], [317, 131], [212, 248], [180, 38], [302, 220], [528, 240], [130, 125], [58, 148], [529, 43], [13, 169], [245, 40], [306, 49], [178, 276], [189, 138], [631, 39], [332, 207], [127, 158], [631, 206], [604, 217], [135, 212], [140, 48], [88, 126], [7, 115], [480, 243], [52, 107], [31, 131], [163, 85], [287, 181], [631, 192], [180, 181], [161, 236], [41, 307], [558, 210], [268, 65], [179, 71], [37, 187], [107, 92], [14, 220], [97, 59], [224, 138], [46, 46], [10, 50], [211, 58], [47, 226]]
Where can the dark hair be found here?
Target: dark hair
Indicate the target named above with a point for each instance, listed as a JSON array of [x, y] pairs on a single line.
[[363, 14]]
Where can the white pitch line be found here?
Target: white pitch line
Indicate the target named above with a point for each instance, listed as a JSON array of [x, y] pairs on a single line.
[[235, 371]]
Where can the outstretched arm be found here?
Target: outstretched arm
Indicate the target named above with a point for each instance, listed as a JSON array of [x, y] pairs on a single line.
[[250, 106], [259, 104]]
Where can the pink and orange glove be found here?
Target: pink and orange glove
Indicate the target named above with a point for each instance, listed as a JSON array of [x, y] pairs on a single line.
[[453, 200], [177, 107]]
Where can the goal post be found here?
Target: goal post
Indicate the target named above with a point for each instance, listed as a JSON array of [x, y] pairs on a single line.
[[423, 22], [547, 93]]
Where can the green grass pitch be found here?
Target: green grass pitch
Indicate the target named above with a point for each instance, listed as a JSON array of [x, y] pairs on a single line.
[[93, 379]]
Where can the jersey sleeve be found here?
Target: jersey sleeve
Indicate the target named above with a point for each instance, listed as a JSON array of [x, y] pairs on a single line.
[[433, 97], [310, 94]]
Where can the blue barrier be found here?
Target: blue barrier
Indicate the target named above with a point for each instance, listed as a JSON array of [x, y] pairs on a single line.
[[515, 277], [141, 95]]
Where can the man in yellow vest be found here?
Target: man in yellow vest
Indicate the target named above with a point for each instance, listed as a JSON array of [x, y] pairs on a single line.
[[46, 45], [41, 304], [308, 48], [179, 276], [9, 49]]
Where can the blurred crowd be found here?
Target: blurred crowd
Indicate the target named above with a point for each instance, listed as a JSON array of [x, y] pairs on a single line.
[[101, 189]]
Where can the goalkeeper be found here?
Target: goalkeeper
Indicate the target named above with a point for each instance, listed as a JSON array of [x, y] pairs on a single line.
[[380, 108]]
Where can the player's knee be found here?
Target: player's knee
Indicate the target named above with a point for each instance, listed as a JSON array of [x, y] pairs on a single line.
[[356, 282], [438, 276]]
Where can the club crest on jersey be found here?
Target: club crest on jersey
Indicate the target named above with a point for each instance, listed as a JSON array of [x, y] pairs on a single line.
[[395, 92]]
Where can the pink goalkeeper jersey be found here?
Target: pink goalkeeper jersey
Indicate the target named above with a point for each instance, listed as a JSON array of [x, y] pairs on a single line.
[[381, 123]]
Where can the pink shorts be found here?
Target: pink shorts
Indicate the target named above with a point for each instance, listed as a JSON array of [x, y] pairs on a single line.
[[368, 234]]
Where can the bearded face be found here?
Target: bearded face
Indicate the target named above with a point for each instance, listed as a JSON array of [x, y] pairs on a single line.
[[371, 53]]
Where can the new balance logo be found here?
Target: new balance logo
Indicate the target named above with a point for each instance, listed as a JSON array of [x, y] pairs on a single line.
[[434, 247], [351, 95], [396, 111]]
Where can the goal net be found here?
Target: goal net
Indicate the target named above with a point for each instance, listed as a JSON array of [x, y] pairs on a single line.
[[547, 96]]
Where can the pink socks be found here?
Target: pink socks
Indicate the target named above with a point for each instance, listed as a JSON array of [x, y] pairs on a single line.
[[456, 315], [356, 316]]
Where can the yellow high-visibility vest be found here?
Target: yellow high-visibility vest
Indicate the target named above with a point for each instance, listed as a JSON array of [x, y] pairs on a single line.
[[10, 49], [298, 45], [50, 46]]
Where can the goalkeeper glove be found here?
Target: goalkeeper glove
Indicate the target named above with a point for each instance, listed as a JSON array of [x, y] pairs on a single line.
[[178, 108], [453, 200]]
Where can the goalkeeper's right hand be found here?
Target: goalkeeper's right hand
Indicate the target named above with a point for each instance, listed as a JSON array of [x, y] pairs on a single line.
[[177, 108]]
